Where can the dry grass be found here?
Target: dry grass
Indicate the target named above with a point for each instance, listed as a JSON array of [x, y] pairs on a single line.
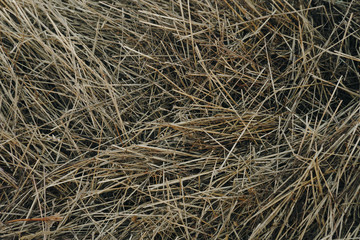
[[232, 119]]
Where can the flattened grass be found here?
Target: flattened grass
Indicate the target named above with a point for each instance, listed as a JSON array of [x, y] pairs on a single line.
[[180, 119]]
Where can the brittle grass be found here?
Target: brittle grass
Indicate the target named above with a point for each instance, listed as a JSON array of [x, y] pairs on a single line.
[[234, 119]]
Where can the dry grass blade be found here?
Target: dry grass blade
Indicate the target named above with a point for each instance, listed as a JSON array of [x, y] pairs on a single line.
[[236, 119]]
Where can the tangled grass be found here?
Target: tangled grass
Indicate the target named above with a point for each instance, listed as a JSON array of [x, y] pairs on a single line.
[[232, 119]]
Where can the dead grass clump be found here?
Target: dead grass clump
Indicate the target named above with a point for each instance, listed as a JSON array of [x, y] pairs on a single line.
[[179, 119]]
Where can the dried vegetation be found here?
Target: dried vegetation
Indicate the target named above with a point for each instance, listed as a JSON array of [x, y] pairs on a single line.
[[139, 119]]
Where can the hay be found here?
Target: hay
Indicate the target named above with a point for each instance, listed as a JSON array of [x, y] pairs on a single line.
[[234, 119]]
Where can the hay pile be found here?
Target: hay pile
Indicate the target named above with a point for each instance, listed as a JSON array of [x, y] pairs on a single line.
[[139, 119]]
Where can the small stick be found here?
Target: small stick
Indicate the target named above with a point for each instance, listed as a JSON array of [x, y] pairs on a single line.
[[55, 217]]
